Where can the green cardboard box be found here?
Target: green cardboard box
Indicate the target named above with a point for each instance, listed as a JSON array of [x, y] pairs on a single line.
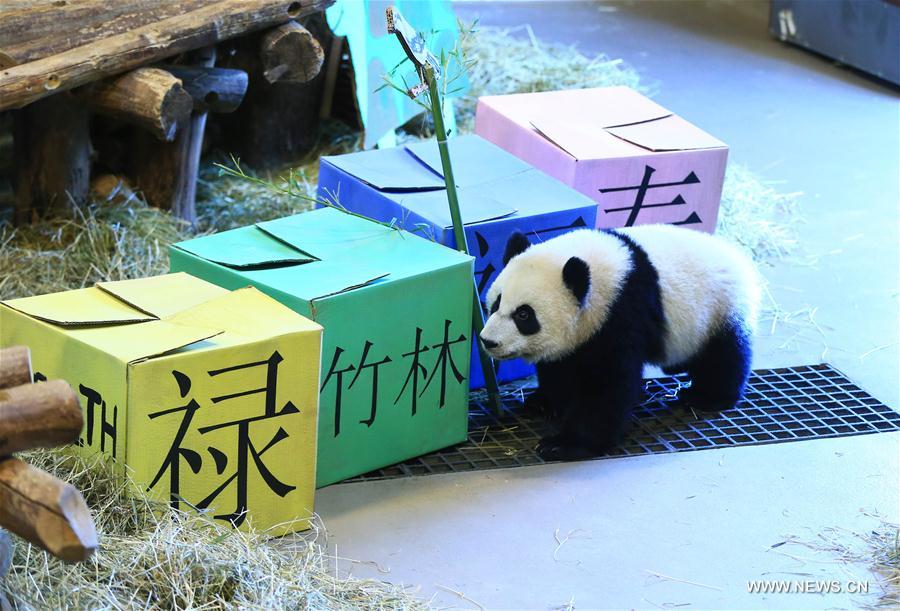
[[397, 312]]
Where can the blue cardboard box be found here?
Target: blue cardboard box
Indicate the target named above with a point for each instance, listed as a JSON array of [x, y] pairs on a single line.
[[498, 194]]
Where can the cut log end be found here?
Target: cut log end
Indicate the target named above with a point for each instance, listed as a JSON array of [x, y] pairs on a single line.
[[46, 414], [148, 97], [83, 541], [219, 90], [15, 366], [291, 54], [175, 110], [45, 511]]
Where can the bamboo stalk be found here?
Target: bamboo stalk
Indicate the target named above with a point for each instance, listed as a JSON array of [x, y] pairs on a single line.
[[487, 364]]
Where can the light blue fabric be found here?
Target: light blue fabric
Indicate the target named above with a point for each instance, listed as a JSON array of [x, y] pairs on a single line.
[[375, 53]]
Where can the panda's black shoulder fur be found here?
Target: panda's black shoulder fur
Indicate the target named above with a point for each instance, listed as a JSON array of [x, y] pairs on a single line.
[[610, 363], [637, 313]]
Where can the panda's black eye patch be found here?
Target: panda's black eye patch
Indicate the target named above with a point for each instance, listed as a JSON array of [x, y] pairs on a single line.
[[496, 305], [526, 321]]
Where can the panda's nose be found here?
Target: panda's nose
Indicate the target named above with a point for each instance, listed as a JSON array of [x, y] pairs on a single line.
[[489, 344]]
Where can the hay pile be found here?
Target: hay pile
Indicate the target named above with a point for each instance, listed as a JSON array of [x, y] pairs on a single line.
[[758, 218], [877, 549], [166, 559], [513, 60], [152, 557], [102, 242]]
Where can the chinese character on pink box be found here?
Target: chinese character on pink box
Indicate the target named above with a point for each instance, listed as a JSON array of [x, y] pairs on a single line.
[[640, 162]]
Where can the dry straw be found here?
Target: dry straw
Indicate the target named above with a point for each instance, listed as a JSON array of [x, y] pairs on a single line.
[[152, 557], [878, 550]]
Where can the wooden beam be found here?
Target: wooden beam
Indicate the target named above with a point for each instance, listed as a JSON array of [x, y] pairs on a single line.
[[26, 83], [150, 98], [46, 511], [42, 415], [290, 54], [15, 366], [35, 29], [212, 89]]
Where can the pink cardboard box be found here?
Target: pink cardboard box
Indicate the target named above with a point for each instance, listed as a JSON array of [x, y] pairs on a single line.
[[638, 161]]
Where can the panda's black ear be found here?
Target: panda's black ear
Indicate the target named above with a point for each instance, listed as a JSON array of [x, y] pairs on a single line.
[[577, 276], [515, 245]]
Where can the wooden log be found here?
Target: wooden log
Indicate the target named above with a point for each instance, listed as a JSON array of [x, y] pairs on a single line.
[[26, 83], [52, 153], [277, 123], [290, 54], [35, 29], [42, 415], [15, 366], [167, 172], [212, 89], [150, 98], [46, 511]]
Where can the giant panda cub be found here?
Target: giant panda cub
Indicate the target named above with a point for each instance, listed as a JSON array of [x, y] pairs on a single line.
[[590, 308]]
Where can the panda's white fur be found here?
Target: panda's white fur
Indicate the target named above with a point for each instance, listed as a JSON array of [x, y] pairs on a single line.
[[533, 277], [703, 282]]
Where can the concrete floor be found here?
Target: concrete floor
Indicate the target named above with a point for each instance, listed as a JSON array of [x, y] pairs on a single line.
[[596, 532], [707, 517]]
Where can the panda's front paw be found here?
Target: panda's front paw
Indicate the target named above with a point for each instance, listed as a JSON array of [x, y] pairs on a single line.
[[560, 447], [537, 404]]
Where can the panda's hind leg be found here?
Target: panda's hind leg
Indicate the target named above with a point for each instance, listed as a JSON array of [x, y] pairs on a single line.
[[719, 373]]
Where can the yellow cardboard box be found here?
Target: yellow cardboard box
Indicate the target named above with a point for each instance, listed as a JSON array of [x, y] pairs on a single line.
[[209, 396]]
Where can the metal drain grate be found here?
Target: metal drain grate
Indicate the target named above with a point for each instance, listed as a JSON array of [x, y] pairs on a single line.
[[789, 404]]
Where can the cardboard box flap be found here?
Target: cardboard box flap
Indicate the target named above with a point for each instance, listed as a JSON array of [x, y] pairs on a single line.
[[583, 141], [357, 280], [343, 245], [133, 343], [326, 234], [536, 194], [474, 159], [475, 206], [600, 106], [164, 295], [670, 133], [386, 170], [241, 249], [321, 279], [581, 121], [243, 313], [81, 307]]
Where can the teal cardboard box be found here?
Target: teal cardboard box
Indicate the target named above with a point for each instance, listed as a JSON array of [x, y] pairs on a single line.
[[397, 314], [498, 194]]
